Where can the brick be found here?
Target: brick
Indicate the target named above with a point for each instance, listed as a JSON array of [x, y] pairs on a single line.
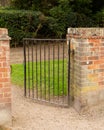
[[0, 75], [0, 65], [86, 63], [93, 40], [96, 43], [93, 58], [101, 70], [102, 74], [6, 75], [7, 94], [5, 64], [83, 58], [2, 59], [5, 42], [1, 85], [91, 44], [101, 66], [101, 78], [101, 53], [5, 90], [96, 71], [93, 66], [3, 69], [1, 90], [4, 79], [1, 95], [102, 48], [97, 62], [5, 100], [89, 89], [6, 85], [93, 75], [101, 57], [94, 48], [101, 83]]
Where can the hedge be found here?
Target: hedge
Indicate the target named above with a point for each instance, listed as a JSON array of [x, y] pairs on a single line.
[[20, 23]]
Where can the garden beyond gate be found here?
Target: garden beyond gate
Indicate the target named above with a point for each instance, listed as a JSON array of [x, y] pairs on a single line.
[[47, 70]]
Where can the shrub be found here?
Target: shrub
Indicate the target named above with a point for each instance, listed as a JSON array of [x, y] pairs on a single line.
[[100, 18], [20, 23]]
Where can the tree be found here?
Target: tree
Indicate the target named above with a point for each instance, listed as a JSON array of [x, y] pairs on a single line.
[[39, 5], [60, 17], [4, 2], [100, 18], [98, 5], [82, 6], [61, 14]]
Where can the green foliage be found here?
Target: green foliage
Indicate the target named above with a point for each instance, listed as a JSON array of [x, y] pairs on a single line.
[[49, 18], [97, 5], [60, 16], [100, 17], [20, 23], [64, 16], [39, 5]]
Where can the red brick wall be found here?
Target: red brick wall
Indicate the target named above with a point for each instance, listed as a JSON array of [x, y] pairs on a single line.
[[88, 77], [5, 87]]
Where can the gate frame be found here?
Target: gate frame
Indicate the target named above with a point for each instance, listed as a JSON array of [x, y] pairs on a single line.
[[68, 67]]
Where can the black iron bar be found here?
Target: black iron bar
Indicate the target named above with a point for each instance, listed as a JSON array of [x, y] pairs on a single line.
[[63, 72], [49, 71], [36, 73], [28, 69], [40, 73], [45, 71], [53, 71], [58, 70], [32, 47], [24, 48], [69, 72]]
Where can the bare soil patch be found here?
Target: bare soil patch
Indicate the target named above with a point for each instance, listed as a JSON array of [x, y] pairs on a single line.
[[28, 115], [17, 54]]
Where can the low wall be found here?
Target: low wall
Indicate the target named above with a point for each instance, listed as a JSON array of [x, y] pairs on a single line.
[[5, 87], [87, 69]]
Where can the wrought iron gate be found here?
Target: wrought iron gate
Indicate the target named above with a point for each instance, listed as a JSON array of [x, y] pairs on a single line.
[[46, 73]]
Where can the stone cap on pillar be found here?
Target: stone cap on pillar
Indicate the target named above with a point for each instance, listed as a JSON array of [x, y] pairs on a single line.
[[4, 34], [85, 32]]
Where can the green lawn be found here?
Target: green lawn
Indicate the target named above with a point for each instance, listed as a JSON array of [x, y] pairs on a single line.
[[48, 78]]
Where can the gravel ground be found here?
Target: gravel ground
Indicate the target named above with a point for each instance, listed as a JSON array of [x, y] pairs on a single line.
[[28, 115]]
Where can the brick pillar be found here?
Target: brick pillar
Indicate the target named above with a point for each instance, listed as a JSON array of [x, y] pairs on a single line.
[[87, 87], [5, 88]]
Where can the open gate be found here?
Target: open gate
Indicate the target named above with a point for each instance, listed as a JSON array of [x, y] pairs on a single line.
[[47, 70]]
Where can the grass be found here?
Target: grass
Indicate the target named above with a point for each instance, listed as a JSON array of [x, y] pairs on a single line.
[[46, 78]]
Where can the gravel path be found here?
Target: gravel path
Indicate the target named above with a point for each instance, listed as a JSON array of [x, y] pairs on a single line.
[[28, 115]]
